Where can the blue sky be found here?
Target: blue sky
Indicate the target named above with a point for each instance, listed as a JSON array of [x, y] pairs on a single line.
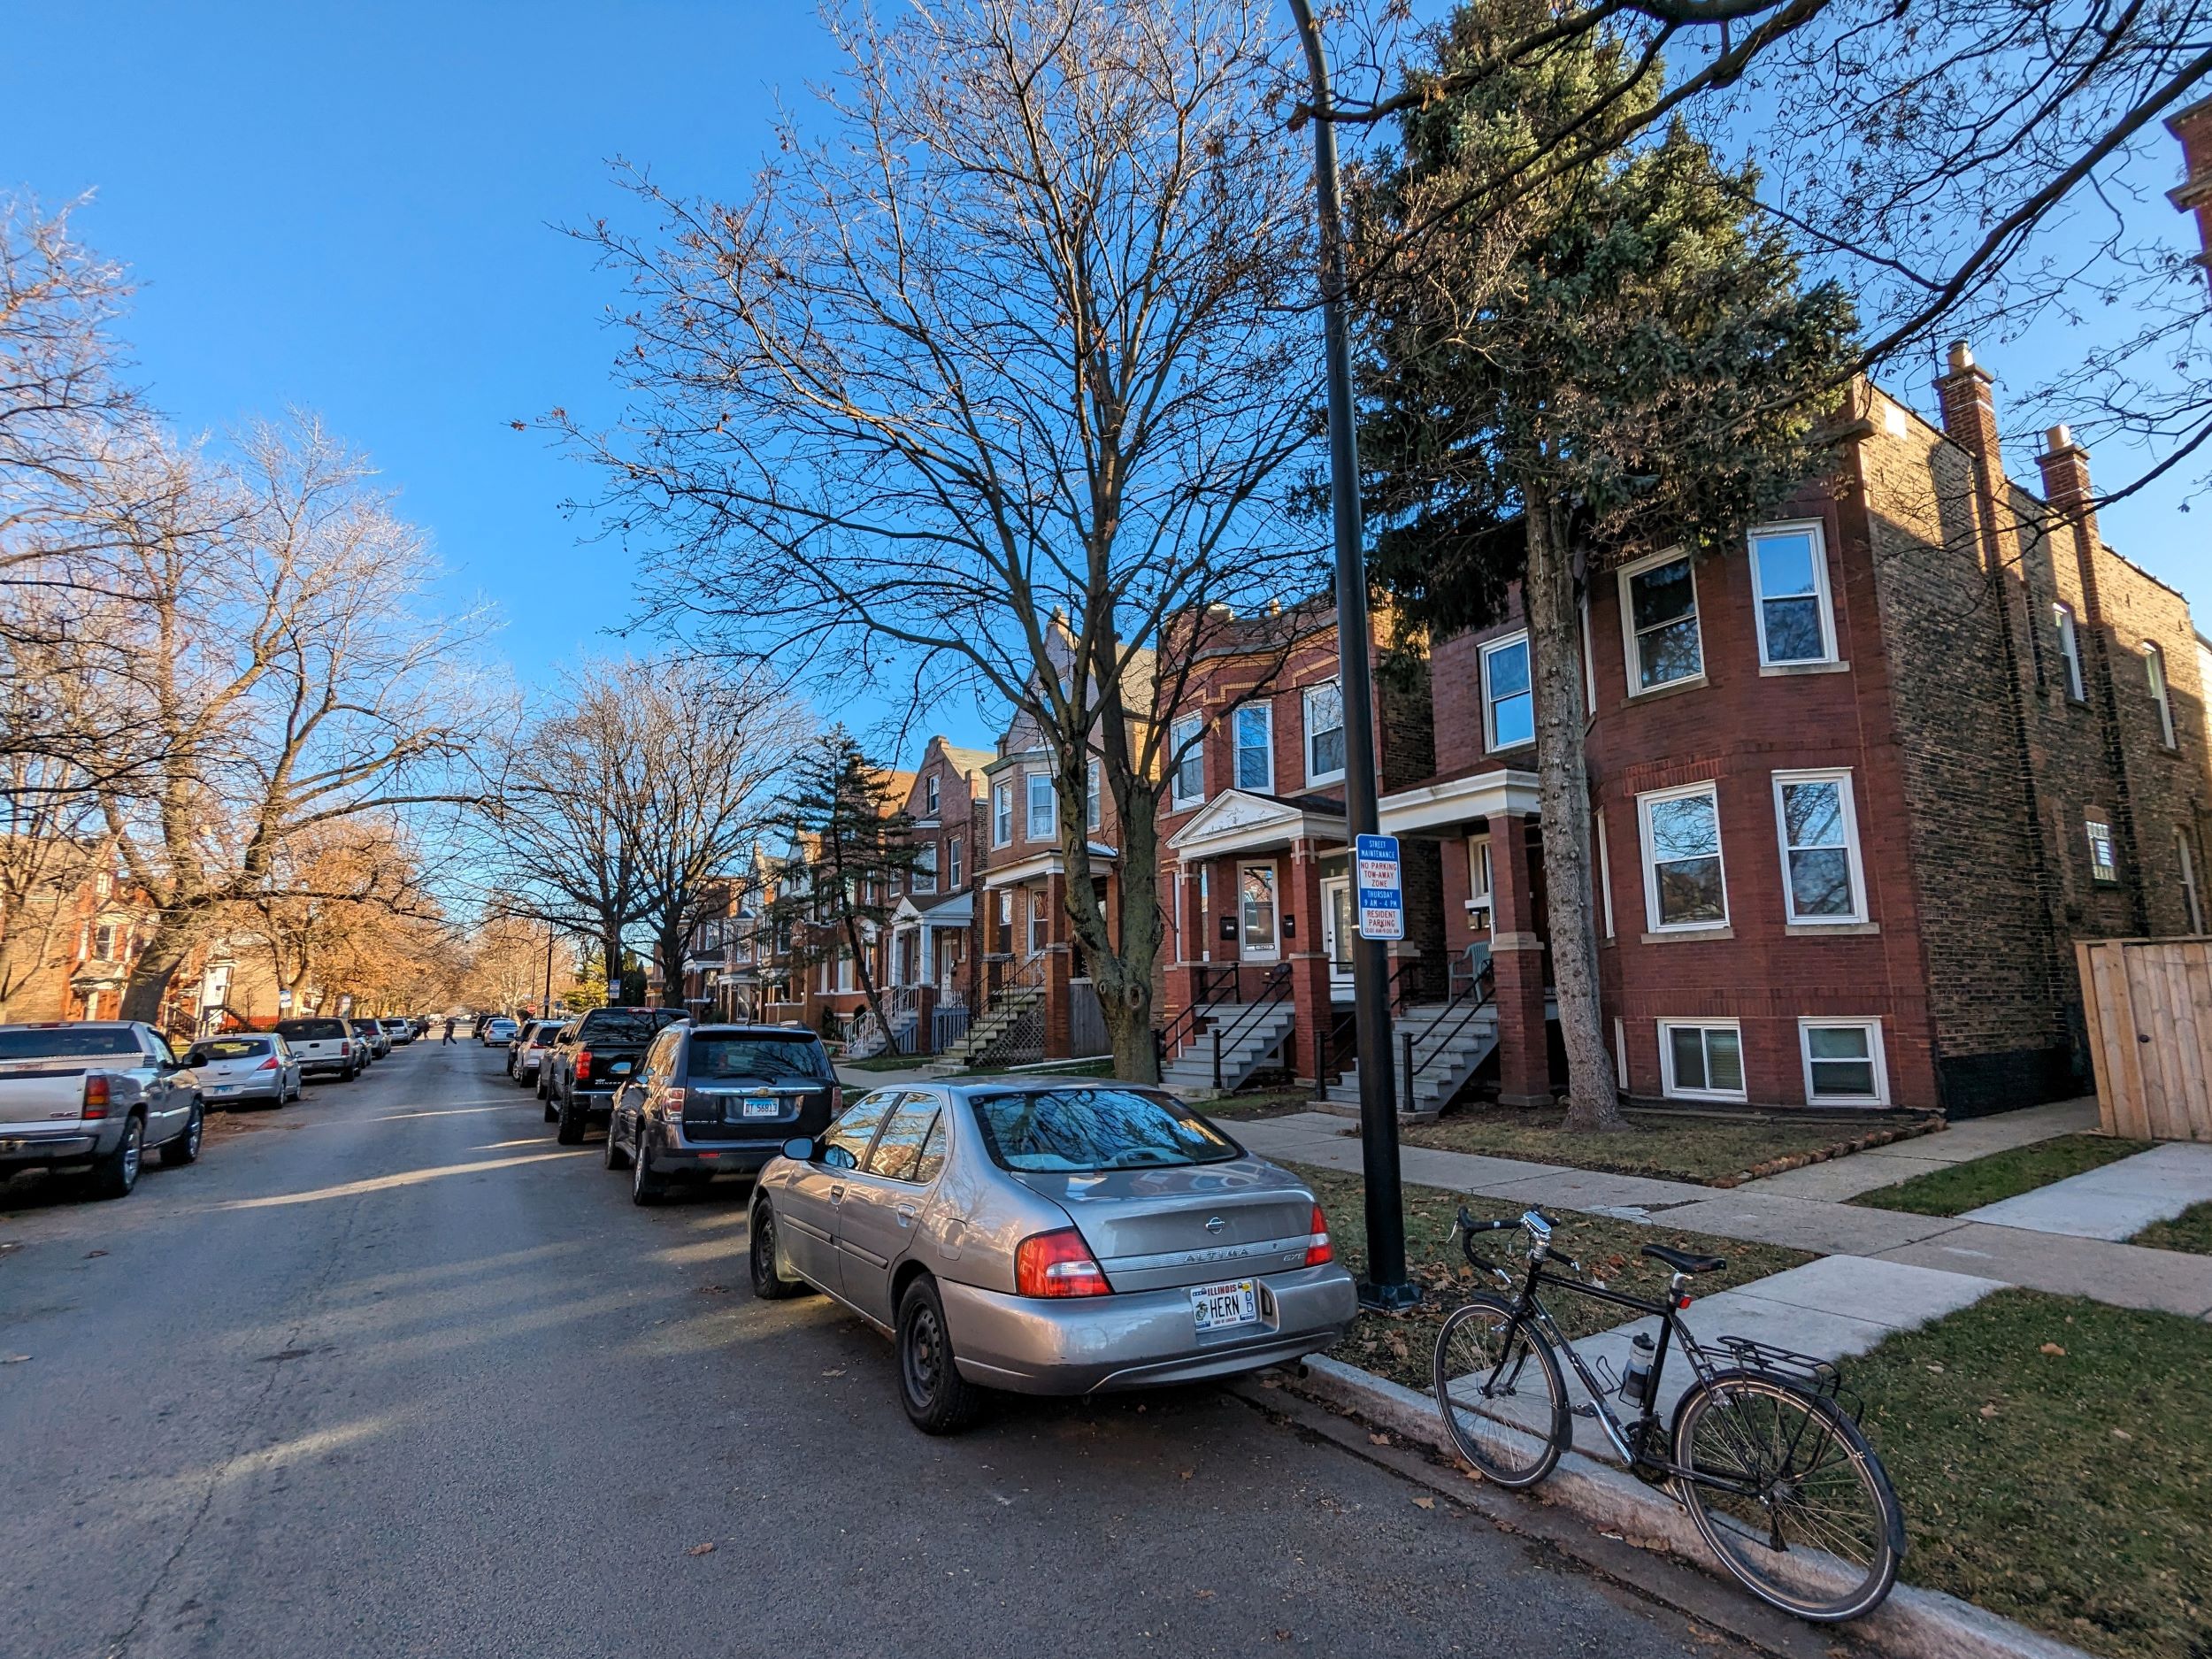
[[352, 209]]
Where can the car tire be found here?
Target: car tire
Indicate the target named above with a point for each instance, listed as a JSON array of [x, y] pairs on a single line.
[[938, 1399], [572, 1117], [616, 1157], [348, 1074], [646, 1188], [769, 1284], [114, 1175], [185, 1149]]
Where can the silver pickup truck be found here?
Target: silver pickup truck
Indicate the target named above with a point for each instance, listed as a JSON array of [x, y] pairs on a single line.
[[95, 1096]]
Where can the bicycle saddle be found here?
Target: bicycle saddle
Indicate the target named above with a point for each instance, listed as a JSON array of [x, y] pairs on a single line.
[[1683, 1262]]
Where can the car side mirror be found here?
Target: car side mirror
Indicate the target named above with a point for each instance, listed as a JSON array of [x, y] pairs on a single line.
[[839, 1158], [799, 1149]]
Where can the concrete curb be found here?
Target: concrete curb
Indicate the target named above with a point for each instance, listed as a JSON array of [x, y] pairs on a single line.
[[1913, 1624]]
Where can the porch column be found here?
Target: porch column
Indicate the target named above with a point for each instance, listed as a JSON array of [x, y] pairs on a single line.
[[1182, 974], [1516, 952], [1308, 956], [1059, 967]]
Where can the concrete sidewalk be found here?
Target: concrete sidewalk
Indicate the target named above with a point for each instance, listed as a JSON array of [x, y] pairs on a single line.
[[2125, 1275], [1923, 1155], [2116, 1202]]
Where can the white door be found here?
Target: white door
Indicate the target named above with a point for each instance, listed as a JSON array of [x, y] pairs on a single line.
[[1257, 929], [1338, 928]]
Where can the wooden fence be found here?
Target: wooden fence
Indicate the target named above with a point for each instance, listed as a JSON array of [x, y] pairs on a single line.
[[2149, 1002]]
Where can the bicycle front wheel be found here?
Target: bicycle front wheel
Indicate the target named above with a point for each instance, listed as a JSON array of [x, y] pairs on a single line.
[[1788, 1493], [1503, 1399]]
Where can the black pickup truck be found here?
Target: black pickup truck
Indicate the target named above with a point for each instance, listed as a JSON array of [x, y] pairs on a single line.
[[593, 1059]]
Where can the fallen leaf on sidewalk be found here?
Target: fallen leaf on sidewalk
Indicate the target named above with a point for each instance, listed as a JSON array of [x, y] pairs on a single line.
[[1425, 1503], [1204, 1595], [2053, 1348], [1185, 1473], [1379, 1439], [14, 1359], [1990, 1410], [706, 1548], [835, 1371]]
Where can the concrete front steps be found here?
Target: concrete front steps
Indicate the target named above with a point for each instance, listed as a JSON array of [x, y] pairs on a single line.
[[1448, 1043], [1259, 1032], [999, 1023]]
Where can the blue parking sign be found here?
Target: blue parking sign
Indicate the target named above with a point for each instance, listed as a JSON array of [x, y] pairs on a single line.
[[1381, 886]]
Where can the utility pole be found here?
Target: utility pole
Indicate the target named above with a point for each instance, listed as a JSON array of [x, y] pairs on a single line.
[[1385, 1286], [545, 1008]]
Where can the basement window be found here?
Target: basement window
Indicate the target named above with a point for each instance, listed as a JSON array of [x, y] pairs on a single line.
[[1702, 1060]]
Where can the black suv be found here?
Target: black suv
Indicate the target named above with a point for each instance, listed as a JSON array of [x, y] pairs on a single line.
[[719, 1100], [595, 1058]]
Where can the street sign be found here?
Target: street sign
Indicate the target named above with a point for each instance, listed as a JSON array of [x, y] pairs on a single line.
[[1382, 897]]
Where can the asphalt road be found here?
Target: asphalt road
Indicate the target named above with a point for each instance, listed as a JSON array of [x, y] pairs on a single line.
[[389, 1372]]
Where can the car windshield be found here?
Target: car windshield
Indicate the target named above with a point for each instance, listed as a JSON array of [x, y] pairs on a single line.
[[622, 1024], [311, 1030], [1093, 1129], [229, 1048], [111, 1043], [758, 1057]]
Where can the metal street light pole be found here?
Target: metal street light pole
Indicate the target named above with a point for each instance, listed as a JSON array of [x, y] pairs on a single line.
[[1385, 1286]]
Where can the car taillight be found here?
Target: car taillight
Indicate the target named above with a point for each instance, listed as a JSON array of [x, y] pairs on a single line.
[[672, 1100], [583, 1065], [345, 1051], [1318, 1249], [95, 1097], [269, 1064], [1058, 1265]]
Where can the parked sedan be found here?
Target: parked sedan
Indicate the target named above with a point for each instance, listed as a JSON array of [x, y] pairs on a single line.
[[497, 1033], [1048, 1239], [717, 1100], [253, 1066], [399, 1033], [370, 1037], [529, 1049]]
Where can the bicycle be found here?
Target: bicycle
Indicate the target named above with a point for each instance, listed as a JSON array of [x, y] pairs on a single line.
[[1761, 1452]]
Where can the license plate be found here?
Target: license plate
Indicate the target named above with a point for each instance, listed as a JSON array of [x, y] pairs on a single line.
[[12, 1146], [223, 1088], [1216, 1306], [762, 1106]]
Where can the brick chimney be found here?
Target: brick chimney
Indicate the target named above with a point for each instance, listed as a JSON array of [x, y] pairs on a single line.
[[1970, 413], [2065, 468], [2193, 127]]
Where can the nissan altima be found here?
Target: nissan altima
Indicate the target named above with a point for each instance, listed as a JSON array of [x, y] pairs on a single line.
[[1048, 1239]]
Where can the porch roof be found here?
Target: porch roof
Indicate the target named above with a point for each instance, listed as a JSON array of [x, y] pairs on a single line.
[[955, 910], [1443, 803], [1245, 821]]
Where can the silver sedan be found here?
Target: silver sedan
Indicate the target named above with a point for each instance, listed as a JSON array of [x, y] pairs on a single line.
[[1048, 1239], [252, 1066]]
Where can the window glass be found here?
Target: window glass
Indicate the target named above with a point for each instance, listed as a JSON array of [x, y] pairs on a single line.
[[952, 861], [1002, 813], [1817, 842], [929, 794], [2187, 862], [1686, 869], [924, 876], [1839, 1060], [216, 1049], [2154, 670], [1509, 709], [1188, 757], [2069, 651], [1705, 1059], [1090, 796], [1325, 731], [1662, 611], [1090, 1129], [312, 1030], [1258, 895], [2102, 864], [1256, 747], [857, 1125], [1786, 563], [932, 1156], [69, 1043], [899, 1147], [1040, 807]]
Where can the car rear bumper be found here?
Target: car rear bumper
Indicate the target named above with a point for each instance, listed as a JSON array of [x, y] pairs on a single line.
[[1141, 1339], [711, 1158], [20, 1150], [216, 1094]]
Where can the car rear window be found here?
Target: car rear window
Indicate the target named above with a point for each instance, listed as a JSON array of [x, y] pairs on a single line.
[[1050, 1131], [311, 1030], [229, 1048], [624, 1024], [756, 1056], [110, 1044]]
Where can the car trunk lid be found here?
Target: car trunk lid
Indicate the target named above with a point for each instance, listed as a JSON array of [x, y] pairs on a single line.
[[1156, 1229]]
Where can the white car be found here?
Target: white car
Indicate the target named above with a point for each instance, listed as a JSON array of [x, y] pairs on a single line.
[[498, 1034], [253, 1065]]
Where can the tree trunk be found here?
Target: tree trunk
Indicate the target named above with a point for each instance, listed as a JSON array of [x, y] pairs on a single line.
[[1563, 793], [611, 954], [860, 972], [155, 967]]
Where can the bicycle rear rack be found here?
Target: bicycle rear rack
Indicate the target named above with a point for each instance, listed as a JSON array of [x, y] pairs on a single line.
[[1815, 1376]]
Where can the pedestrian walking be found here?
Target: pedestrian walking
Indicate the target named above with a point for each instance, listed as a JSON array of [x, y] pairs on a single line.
[[449, 1030]]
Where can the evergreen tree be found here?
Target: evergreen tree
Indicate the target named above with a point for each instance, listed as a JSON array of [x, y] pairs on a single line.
[[1591, 363]]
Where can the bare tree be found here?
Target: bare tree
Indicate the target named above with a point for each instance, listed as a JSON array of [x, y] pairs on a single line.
[[988, 391], [51, 842], [342, 902], [264, 617]]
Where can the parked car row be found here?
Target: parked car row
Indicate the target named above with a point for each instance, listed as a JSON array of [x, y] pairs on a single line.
[[1049, 1237]]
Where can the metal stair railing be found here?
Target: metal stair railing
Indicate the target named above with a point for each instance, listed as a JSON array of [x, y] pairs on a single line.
[[1274, 986], [1171, 1038], [1473, 987]]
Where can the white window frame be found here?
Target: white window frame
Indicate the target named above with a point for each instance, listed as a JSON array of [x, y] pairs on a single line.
[[2187, 858], [1817, 532], [1809, 1023], [2154, 670], [1313, 778], [922, 878], [1490, 649], [1603, 864], [1589, 664], [929, 794], [1040, 925], [2104, 872], [1629, 653], [1657, 797], [1092, 796], [952, 863], [1003, 813], [1668, 1027], [1030, 780], [1005, 910], [1265, 713], [2069, 651], [1848, 803], [1481, 874], [1185, 746]]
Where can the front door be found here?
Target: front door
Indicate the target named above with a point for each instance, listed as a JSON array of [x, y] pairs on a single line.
[[1257, 914], [1337, 929]]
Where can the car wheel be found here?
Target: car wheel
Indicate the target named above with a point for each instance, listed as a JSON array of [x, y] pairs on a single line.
[[645, 1187], [348, 1074], [572, 1117], [114, 1175], [769, 1284], [185, 1149], [616, 1157], [938, 1399]]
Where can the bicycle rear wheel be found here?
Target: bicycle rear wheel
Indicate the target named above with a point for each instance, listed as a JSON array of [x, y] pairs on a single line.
[[1788, 1493], [1503, 1399]]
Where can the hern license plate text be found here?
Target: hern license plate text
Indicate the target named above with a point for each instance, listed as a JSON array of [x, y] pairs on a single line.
[[1216, 1307]]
